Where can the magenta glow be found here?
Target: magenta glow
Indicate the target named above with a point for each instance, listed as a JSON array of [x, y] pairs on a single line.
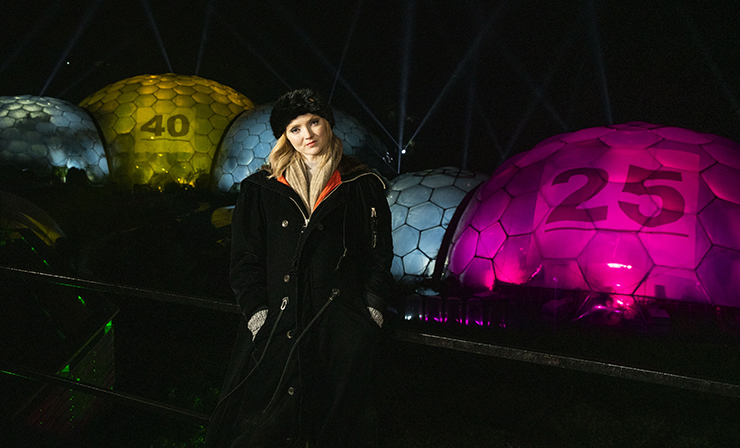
[[630, 209]]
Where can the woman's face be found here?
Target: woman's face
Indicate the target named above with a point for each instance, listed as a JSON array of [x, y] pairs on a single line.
[[308, 135]]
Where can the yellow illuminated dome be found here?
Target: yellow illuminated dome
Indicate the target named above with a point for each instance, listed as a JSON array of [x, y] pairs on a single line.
[[162, 129]]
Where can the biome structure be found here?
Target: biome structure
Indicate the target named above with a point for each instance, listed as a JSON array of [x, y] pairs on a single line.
[[151, 131], [162, 129], [422, 206], [635, 208], [45, 135]]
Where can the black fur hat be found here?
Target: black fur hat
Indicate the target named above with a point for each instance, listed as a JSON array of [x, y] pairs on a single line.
[[296, 103]]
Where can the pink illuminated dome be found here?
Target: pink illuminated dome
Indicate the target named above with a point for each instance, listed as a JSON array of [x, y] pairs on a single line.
[[636, 208]]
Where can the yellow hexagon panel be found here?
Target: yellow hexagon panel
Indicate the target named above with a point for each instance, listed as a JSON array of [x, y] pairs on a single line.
[[162, 129]]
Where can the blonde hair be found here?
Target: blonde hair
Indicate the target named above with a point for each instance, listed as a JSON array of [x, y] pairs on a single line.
[[283, 153]]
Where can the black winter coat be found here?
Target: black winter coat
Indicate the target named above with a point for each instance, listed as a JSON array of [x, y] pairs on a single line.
[[308, 375]]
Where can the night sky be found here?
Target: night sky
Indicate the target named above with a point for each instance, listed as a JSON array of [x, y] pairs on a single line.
[[484, 79]]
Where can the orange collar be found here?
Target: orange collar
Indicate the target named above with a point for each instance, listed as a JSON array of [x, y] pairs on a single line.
[[334, 181]]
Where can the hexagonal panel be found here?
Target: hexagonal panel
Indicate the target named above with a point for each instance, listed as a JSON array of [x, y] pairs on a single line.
[[664, 282], [479, 274], [464, 251], [46, 135], [176, 120], [720, 219], [405, 240], [517, 259], [719, 274], [564, 274], [425, 211], [424, 216], [615, 262], [720, 179]]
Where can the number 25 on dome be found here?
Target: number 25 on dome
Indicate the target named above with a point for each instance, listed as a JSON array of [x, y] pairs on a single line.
[[672, 203]]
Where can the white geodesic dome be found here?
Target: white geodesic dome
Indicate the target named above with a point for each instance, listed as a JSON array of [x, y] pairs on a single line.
[[422, 204], [41, 134]]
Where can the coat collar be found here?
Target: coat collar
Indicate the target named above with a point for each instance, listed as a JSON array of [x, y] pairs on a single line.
[[349, 169]]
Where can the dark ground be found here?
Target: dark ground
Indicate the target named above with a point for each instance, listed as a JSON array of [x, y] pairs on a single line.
[[430, 397]]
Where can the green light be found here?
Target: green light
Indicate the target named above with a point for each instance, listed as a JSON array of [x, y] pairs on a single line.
[[64, 371], [15, 374], [69, 285], [80, 299], [108, 326], [34, 250]]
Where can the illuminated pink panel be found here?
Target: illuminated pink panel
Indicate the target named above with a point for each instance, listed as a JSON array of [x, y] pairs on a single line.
[[632, 125], [723, 181], [497, 181], [617, 163], [631, 220], [574, 198], [674, 247], [720, 219], [478, 276], [673, 190], [702, 244], [542, 150], [642, 194], [719, 273], [563, 242], [463, 251], [577, 154], [683, 135], [526, 181], [615, 262], [519, 215], [683, 156], [572, 185], [664, 282], [517, 260], [468, 215], [560, 274], [725, 152], [490, 241], [491, 210], [631, 139], [585, 134], [704, 194]]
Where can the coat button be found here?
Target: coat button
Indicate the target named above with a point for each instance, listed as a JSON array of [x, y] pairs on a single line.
[[286, 279], [285, 223], [291, 391]]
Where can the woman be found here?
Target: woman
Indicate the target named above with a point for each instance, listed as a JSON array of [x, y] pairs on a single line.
[[310, 267]]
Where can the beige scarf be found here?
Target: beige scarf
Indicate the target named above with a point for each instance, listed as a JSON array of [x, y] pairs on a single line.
[[309, 185]]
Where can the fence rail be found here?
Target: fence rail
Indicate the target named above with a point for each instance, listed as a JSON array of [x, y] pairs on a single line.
[[572, 363], [400, 334], [132, 400]]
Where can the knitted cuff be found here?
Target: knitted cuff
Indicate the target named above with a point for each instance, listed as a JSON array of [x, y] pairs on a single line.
[[256, 321], [376, 315]]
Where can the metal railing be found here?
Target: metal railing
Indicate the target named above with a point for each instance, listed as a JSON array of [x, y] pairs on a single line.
[[400, 334]]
